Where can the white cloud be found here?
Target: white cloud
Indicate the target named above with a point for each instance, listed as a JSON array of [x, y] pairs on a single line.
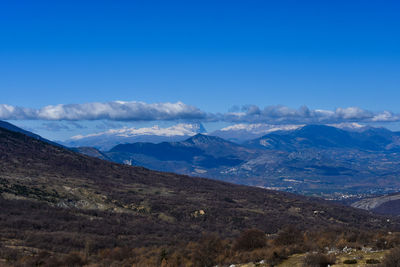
[[117, 110], [259, 128], [8, 112], [385, 116], [304, 115], [353, 113], [140, 111]]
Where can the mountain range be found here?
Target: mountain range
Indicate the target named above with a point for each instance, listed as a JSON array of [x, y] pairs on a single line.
[[110, 138], [312, 159], [238, 133], [339, 162], [58, 200], [325, 137]]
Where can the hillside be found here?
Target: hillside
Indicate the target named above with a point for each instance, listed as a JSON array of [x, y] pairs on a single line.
[[387, 204], [91, 152], [49, 194], [12, 127]]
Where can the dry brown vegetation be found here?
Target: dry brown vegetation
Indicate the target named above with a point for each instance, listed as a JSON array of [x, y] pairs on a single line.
[[319, 260], [392, 259], [59, 208], [210, 250]]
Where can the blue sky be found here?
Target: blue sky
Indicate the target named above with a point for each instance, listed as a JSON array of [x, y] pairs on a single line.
[[211, 55]]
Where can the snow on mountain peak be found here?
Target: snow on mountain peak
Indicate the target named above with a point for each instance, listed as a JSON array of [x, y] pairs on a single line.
[[181, 129], [348, 126], [260, 128]]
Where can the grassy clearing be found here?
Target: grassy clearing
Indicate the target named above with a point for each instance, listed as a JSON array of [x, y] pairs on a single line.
[[361, 257]]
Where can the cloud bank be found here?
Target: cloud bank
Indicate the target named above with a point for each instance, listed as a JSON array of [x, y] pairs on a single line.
[[115, 111], [284, 115], [140, 111]]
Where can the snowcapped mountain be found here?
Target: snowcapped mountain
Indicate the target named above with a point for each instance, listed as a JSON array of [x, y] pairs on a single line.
[[155, 134], [243, 132], [350, 126]]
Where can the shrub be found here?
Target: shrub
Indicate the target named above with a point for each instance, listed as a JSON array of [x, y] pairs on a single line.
[[115, 254], [318, 260], [382, 243], [73, 260], [277, 256], [341, 243], [352, 261], [392, 259], [207, 250], [250, 239], [288, 236]]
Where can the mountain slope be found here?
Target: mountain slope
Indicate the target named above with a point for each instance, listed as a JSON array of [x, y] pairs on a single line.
[[387, 204], [12, 127], [83, 198], [195, 153], [215, 146], [322, 137], [244, 132], [91, 152]]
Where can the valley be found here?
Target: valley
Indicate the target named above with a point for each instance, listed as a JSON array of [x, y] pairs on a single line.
[[315, 160]]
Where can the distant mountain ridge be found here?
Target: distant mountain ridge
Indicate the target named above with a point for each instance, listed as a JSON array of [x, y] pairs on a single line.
[[108, 139], [322, 136], [201, 150], [241, 133], [314, 159]]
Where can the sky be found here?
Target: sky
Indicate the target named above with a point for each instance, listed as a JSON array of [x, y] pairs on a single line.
[[198, 61]]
